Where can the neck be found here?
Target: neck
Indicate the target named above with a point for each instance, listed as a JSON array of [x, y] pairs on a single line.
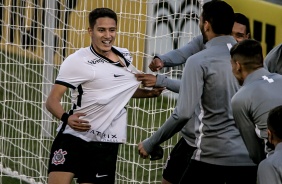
[[102, 52], [213, 35], [106, 53]]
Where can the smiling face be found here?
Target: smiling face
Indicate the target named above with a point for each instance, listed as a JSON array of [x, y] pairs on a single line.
[[103, 34], [239, 32]]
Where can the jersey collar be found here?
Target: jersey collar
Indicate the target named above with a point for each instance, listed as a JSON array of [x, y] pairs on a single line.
[[107, 59]]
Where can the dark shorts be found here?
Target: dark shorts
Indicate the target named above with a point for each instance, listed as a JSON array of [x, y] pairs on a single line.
[[91, 162], [178, 161], [201, 173]]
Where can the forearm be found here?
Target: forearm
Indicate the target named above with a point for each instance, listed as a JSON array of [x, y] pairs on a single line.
[[54, 107], [165, 132], [179, 56], [253, 143], [173, 58], [53, 102], [170, 84], [146, 93]]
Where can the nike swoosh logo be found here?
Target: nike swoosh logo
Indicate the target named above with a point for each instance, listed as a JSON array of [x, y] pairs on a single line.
[[117, 75], [99, 176]]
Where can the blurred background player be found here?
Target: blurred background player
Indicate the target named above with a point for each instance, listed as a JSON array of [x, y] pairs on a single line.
[[273, 60], [260, 92], [270, 169]]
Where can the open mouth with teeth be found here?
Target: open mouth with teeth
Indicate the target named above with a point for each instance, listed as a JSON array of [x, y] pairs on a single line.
[[106, 42]]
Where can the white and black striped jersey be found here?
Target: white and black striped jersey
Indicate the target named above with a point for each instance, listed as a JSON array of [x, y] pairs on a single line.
[[100, 88]]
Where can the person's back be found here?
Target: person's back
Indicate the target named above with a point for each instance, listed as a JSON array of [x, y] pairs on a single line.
[[208, 79], [217, 127], [260, 92]]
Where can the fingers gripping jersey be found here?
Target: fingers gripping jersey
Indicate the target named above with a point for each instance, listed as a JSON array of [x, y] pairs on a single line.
[[101, 90]]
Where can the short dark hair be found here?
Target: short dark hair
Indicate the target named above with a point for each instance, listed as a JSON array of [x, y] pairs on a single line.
[[220, 15], [274, 121], [242, 19], [101, 12], [251, 53]]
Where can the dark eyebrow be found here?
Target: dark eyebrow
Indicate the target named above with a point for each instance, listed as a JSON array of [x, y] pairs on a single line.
[[239, 34], [106, 28]]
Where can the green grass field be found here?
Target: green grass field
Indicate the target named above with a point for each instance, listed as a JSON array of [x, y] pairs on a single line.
[[9, 180], [24, 149]]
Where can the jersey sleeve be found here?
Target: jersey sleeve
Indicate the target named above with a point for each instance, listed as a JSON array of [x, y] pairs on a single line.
[[74, 71], [187, 101], [179, 56], [247, 128], [273, 60], [170, 84]]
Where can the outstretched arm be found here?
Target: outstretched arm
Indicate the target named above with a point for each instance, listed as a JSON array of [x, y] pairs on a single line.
[[187, 102], [150, 80], [178, 56], [147, 93]]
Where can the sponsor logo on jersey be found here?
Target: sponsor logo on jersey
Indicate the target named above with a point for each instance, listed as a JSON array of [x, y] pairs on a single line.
[[104, 137], [95, 61], [59, 157], [100, 176], [118, 75]]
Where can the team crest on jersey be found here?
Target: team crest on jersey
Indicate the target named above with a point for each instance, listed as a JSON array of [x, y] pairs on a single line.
[[59, 157]]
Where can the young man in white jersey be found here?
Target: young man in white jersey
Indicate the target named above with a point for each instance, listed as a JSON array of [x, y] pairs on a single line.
[[102, 81]]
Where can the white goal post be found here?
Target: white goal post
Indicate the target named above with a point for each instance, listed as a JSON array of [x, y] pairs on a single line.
[[36, 36]]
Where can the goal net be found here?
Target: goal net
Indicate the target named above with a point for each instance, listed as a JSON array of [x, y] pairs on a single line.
[[37, 35]]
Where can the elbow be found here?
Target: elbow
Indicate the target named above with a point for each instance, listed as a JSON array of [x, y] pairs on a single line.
[[180, 117], [48, 104], [184, 118]]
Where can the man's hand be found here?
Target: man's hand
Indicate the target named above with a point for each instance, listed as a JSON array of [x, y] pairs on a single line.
[[155, 92], [78, 124], [142, 152], [148, 80], [156, 64]]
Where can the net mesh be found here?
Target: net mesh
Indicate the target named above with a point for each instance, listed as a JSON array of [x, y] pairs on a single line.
[[37, 35]]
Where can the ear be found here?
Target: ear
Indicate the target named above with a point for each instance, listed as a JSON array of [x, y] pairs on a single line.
[[238, 66], [90, 31], [270, 136], [207, 26], [248, 36]]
